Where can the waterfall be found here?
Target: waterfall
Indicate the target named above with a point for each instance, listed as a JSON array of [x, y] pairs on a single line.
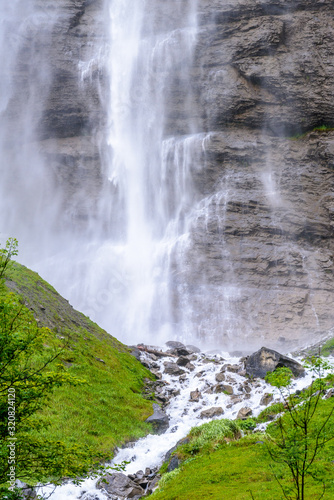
[[144, 172], [26, 187], [128, 283], [118, 263]]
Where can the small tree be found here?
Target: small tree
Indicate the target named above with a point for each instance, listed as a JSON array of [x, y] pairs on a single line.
[[6, 254], [301, 432]]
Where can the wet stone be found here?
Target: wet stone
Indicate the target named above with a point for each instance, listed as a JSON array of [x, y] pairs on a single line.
[[244, 413], [193, 348], [220, 377], [159, 420], [329, 394], [120, 485], [173, 391], [173, 464], [266, 399], [182, 361], [190, 367], [182, 351], [173, 369], [153, 484], [227, 389], [247, 388], [232, 368], [195, 396], [236, 399], [215, 411], [157, 373], [267, 360], [172, 344]]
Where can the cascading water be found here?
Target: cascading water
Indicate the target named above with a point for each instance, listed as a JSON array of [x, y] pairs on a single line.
[[130, 190], [150, 194], [26, 188], [116, 268]]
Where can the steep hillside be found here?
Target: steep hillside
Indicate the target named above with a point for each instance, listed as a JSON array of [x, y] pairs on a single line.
[[108, 409]]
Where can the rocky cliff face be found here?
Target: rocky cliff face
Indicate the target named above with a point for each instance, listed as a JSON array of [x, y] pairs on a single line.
[[54, 95], [263, 72]]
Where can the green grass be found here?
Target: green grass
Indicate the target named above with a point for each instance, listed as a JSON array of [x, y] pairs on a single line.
[[109, 408], [237, 469], [321, 129], [328, 348], [211, 435], [270, 412]]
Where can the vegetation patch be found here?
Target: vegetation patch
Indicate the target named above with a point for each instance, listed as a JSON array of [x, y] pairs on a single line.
[[211, 435], [320, 129], [328, 348], [292, 460]]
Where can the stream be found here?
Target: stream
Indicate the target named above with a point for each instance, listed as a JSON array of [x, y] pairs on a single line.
[[185, 393]]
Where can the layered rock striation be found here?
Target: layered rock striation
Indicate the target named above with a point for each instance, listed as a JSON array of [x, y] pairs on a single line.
[[263, 76]]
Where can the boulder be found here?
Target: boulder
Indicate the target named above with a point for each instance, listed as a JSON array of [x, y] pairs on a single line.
[[190, 367], [135, 352], [266, 399], [173, 369], [195, 396], [153, 484], [173, 464], [220, 377], [225, 388], [232, 368], [172, 344], [215, 411], [235, 400], [193, 349], [247, 388], [159, 420], [182, 361], [120, 485], [267, 360], [244, 413], [179, 443], [157, 373], [178, 348]]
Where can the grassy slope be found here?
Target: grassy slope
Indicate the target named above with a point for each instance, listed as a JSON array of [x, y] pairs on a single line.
[[109, 409], [328, 348], [238, 469]]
